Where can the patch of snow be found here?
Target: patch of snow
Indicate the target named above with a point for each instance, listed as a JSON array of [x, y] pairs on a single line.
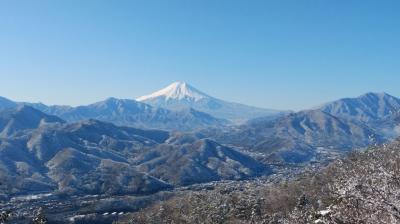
[[30, 197], [324, 212], [72, 219]]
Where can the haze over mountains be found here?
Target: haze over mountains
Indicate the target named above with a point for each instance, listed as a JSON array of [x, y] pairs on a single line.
[[113, 146]]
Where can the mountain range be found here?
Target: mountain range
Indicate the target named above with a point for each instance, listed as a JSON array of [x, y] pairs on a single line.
[[201, 161], [135, 114], [94, 157], [297, 136], [342, 125], [179, 107], [172, 138]]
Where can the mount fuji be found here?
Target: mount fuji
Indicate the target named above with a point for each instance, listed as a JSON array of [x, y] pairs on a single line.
[[180, 95]]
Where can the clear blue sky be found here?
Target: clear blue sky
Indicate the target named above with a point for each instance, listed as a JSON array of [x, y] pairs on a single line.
[[284, 54]]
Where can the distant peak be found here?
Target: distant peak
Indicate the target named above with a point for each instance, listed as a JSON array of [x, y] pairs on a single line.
[[177, 91], [116, 102], [376, 94], [113, 100], [25, 108], [179, 83], [6, 103]]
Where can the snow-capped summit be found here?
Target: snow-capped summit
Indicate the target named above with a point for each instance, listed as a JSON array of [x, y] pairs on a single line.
[[176, 91], [180, 95]]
